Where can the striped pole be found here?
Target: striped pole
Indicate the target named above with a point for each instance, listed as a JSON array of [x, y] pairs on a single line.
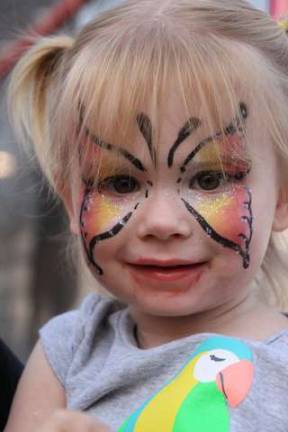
[[278, 8], [55, 18]]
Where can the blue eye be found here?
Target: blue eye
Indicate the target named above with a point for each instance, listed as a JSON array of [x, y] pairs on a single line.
[[119, 184]]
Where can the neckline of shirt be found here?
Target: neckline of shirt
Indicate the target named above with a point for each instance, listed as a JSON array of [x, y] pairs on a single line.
[[126, 330]]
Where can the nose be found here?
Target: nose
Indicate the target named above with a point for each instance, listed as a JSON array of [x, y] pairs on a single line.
[[164, 217]]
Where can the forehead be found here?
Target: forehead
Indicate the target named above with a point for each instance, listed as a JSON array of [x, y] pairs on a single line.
[[157, 131], [182, 127], [174, 79]]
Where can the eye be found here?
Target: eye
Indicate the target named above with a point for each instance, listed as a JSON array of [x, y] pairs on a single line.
[[120, 184], [212, 180], [207, 180], [214, 358]]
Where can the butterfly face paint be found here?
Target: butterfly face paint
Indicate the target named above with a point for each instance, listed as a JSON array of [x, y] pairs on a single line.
[[209, 186]]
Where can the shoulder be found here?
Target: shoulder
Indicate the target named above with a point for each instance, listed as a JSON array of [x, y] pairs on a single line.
[[277, 346], [31, 405], [70, 336], [91, 312], [271, 357]]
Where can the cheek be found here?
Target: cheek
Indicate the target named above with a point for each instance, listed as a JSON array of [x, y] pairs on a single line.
[[101, 214], [227, 213], [101, 218]]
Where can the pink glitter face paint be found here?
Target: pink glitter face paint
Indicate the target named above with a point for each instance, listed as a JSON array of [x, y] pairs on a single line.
[[102, 215], [227, 219], [106, 208], [226, 212]]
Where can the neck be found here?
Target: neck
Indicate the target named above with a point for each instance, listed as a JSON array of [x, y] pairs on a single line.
[[248, 319]]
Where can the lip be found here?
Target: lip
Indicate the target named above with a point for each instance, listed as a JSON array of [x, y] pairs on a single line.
[[167, 270], [171, 262]]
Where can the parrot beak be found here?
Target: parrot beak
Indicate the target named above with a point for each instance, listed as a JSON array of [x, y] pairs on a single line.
[[235, 381]]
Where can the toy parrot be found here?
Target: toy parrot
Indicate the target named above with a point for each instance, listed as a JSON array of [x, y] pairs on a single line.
[[219, 373]]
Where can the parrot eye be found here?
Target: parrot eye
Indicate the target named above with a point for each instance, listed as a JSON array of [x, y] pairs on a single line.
[[216, 359], [211, 363]]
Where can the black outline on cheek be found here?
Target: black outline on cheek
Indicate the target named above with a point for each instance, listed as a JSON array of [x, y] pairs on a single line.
[[189, 127], [243, 252], [145, 127], [105, 236], [249, 220], [81, 223]]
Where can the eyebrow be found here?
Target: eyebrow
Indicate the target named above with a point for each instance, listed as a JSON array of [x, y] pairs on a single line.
[[115, 149], [187, 129]]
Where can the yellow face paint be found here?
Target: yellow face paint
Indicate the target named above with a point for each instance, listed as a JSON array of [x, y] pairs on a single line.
[[101, 214], [101, 218], [226, 154], [225, 213]]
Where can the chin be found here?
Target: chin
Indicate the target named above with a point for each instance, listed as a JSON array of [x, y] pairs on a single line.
[[170, 307]]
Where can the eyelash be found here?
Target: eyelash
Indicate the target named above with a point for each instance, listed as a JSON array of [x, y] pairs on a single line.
[[109, 185], [222, 179]]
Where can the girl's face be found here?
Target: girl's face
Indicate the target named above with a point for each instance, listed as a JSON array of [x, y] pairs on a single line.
[[180, 226]]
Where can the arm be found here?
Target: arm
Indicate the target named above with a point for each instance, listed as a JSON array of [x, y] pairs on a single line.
[[38, 395]]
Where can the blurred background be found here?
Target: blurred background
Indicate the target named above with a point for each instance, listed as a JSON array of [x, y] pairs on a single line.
[[37, 278]]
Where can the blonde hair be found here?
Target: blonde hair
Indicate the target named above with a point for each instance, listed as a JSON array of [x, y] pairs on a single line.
[[126, 61]]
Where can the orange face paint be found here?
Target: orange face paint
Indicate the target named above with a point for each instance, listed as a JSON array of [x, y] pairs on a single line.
[[101, 218], [225, 213], [101, 213]]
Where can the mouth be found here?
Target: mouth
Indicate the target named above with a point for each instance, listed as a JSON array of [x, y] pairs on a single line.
[[167, 271]]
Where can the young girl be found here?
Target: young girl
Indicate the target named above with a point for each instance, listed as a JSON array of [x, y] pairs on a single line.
[[163, 128]]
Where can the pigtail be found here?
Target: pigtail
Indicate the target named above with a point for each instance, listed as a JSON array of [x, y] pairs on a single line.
[[33, 92]]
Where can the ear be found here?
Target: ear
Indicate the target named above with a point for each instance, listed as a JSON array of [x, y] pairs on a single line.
[[280, 222]]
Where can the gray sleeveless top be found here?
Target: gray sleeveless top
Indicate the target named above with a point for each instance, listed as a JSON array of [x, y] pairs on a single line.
[[198, 383]]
